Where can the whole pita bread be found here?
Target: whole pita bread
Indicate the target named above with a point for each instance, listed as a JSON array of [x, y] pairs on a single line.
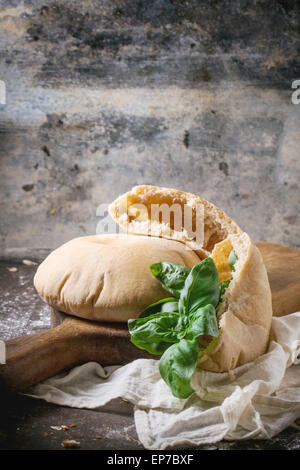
[[246, 311], [107, 277]]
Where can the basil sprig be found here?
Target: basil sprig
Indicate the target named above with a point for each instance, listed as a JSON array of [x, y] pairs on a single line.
[[172, 327]]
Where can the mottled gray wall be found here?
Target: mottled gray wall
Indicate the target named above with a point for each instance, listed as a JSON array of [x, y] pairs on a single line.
[[104, 95]]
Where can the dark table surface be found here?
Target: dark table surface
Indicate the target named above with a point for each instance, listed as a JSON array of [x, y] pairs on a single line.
[[27, 423]]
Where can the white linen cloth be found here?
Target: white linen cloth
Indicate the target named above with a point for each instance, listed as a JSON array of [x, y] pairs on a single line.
[[255, 401]]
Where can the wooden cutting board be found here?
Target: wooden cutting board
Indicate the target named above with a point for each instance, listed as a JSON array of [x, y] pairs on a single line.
[[283, 266], [73, 341]]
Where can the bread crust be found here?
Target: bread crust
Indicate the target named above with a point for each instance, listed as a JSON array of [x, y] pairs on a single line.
[[246, 311]]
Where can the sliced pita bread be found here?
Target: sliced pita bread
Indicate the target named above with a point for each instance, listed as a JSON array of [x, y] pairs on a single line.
[[246, 311]]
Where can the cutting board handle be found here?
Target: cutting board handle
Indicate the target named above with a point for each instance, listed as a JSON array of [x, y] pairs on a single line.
[[33, 358]]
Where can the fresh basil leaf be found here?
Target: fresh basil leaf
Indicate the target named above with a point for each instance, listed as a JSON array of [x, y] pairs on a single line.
[[232, 260], [203, 322], [156, 349], [172, 276], [201, 287], [165, 305], [177, 366], [155, 332], [165, 320]]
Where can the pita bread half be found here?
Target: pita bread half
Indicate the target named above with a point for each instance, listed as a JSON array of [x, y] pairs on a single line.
[[245, 313], [107, 277]]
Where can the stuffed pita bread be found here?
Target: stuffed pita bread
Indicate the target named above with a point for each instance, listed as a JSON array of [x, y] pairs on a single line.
[[245, 311]]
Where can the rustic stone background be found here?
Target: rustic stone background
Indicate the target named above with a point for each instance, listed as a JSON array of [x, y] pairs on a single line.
[[104, 95]]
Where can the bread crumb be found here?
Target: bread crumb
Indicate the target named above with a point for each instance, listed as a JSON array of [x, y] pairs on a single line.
[[62, 427], [13, 269], [72, 425], [70, 444], [28, 262], [98, 437]]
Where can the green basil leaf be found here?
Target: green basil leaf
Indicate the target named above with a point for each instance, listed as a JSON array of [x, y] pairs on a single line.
[[165, 305], [203, 322], [177, 366], [156, 349], [172, 276], [232, 260], [156, 332], [201, 287]]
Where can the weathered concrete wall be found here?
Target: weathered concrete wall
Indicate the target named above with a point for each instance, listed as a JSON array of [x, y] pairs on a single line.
[[104, 95]]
